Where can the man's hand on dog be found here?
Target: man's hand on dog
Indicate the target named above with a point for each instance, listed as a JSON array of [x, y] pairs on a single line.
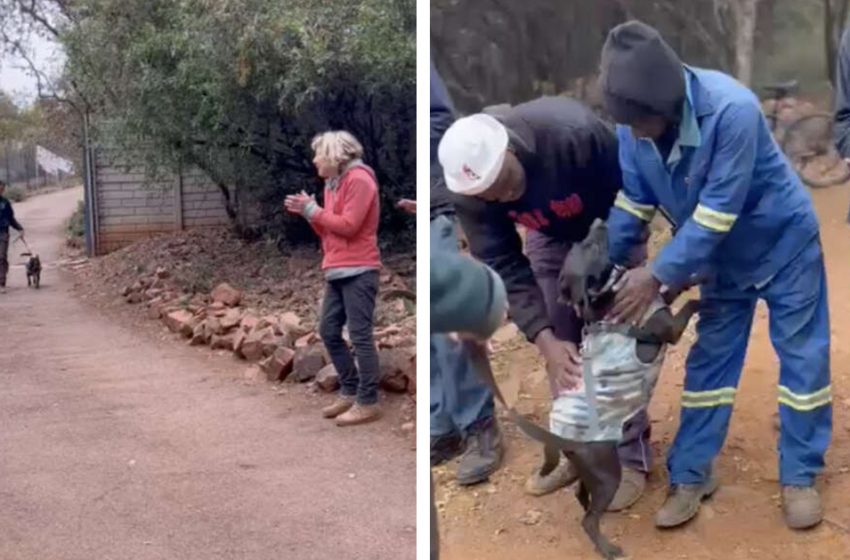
[[563, 362], [635, 292]]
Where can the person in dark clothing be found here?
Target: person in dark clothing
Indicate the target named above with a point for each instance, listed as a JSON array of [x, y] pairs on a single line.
[[550, 165], [841, 130], [466, 297], [7, 220], [462, 407]]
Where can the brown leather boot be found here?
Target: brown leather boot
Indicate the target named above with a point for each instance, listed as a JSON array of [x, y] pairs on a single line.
[[340, 405], [359, 414]]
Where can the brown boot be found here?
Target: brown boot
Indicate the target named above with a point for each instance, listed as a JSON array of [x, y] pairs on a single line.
[[632, 485], [563, 475], [340, 405], [802, 506], [359, 414]]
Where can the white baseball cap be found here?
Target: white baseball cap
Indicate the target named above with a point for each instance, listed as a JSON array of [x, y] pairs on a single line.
[[472, 152]]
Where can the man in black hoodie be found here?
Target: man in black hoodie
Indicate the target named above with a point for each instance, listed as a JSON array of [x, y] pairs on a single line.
[[7, 220], [550, 165]]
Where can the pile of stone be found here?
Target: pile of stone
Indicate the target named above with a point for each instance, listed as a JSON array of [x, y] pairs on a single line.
[[283, 348]]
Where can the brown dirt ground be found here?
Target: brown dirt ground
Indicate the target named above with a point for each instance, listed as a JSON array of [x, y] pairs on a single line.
[[119, 441], [742, 522]]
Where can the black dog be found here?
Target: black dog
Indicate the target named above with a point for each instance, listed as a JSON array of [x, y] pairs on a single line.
[[586, 280], [34, 271]]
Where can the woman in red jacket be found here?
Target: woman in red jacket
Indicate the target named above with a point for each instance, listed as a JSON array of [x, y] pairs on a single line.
[[348, 227]]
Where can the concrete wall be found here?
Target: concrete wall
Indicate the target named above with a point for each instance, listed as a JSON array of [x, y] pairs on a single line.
[[130, 208]]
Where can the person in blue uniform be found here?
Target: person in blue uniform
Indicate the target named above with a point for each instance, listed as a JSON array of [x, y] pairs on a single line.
[[463, 418], [695, 145]]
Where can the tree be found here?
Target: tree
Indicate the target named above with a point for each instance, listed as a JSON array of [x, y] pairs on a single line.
[[239, 87], [834, 19], [745, 12]]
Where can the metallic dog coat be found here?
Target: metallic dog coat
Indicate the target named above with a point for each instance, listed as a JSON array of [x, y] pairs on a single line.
[[616, 385]]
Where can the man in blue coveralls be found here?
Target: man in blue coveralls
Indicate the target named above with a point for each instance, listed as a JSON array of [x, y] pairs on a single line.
[[462, 407], [695, 145]]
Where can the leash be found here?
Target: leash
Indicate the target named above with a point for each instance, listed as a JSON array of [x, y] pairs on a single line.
[[24, 241], [552, 444]]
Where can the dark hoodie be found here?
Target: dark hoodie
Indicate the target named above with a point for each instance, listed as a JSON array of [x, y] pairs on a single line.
[[572, 175], [442, 117], [7, 216]]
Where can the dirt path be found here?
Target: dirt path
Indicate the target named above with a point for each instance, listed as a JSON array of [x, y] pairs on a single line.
[[742, 522], [116, 445]]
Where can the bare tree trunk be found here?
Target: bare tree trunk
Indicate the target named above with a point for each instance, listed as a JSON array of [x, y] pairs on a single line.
[[745, 25], [834, 18], [828, 41], [8, 166]]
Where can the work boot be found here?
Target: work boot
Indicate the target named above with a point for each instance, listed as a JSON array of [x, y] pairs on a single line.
[[445, 448], [359, 414], [483, 454], [563, 475], [802, 506], [631, 488], [683, 503], [340, 405]]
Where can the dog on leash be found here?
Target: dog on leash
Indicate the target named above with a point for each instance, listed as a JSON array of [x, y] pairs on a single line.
[[621, 365], [33, 270]]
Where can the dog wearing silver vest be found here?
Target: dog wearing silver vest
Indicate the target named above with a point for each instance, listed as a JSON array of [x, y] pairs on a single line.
[[621, 366]]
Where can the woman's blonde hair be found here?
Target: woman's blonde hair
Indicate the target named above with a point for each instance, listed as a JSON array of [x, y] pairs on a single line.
[[337, 146]]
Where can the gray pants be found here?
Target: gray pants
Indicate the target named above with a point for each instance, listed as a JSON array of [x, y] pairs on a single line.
[[547, 255], [352, 301], [4, 257]]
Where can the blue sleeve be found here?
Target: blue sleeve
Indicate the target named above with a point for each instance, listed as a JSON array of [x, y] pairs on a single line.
[[442, 113], [633, 208], [720, 201]]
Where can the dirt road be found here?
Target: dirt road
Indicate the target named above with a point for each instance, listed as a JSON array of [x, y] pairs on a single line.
[[743, 521], [117, 445]]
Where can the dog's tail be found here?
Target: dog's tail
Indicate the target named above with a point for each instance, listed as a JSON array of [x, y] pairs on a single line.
[[552, 445]]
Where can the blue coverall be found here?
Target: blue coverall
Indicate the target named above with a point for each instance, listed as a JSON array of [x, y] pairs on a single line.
[[745, 224], [459, 399]]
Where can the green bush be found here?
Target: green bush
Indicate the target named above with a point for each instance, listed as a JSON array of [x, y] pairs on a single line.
[[76, 227], [240, 89], [16, 194]]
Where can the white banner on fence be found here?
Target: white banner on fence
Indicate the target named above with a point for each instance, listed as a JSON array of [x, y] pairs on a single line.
[[51, 163]]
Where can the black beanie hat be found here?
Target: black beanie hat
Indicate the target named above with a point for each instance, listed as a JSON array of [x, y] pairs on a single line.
[[640, 74]]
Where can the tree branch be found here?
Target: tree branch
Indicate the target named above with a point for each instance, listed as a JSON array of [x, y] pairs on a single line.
[[30, 10]]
